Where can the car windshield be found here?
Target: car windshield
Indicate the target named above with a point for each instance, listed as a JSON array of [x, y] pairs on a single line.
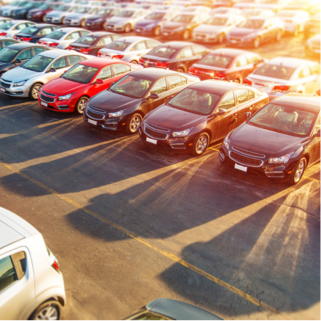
[[38, 63], [198, 102], [163, 52], [6, 25], [288, 120], [80, 73], [7, 54], [86, 40], [252, 24], [125, 13], [184, 18], [63, 8], [216, 21], [275, 71], [29, 30], [56, 34], [215, 61], [132, 86], [155, 16], [82, 9], [118, 45], [104, 11], [94, 10], [45, 6]]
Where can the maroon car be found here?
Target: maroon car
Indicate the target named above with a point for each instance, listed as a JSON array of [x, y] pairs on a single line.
[[227, 64], [39, 14]]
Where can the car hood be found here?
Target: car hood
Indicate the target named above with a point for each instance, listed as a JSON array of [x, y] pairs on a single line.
[[110, 101], [241, 32], [174, 119], [95, 17], [146, 22], [55, 13], [20, 74], [209, 29], [62, 86], [116, 20], [174, 25], [75, 15], [264, 141]]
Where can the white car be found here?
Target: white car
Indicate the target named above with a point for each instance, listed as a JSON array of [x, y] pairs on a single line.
[[31, 284], [11, 28], [294, 20], [62, 38]]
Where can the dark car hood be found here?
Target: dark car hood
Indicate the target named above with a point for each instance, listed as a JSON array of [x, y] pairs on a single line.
[[110, 101], [146, 22], [174, 25], [241, 32], [174, 119], [264, 141]]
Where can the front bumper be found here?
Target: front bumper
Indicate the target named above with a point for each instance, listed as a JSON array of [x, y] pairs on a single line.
[[145, 32], [19, 15], [115, 28], [204, 38], [53, 19], [35, 18], [94, 24], [239, 42], [8, 89], [51, 102], [69, 22], [172, 33]]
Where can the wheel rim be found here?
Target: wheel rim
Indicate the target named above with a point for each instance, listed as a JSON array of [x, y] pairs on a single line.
[[35, 91], [278, 36], [201, 144], [157, 31], [127, 28], [186, 34], [83, 23], [134, 123], [134, 62], [236, 81], [81, 105], [48, 313], [257, 43], [220, 38], [299, 171], [44, 18], [180, 70]]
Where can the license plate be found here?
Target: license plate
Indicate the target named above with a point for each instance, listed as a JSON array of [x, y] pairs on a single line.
[[44, 104], [93, 122], [153, 141], [3, 90], [241, 168]]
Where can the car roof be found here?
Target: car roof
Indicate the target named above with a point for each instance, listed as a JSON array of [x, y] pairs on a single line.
[[99, 33], [100, 62], [23, 45], [300, 101], [177, 44], [58, 53], [153, 73], [21, 21], [216, 87], [178, 310], [288, 62], [68, 29], [132, 39], [231, 52]]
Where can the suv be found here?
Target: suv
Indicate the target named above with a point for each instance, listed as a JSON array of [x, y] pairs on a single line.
[[31, 285]]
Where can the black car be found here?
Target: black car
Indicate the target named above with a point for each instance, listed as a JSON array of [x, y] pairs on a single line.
[[17, 54], [34, 33], [93, 42], [22, 11], [174, 55], [5, 42], [199, 115], [277, 142], [126, 102], [97, 21]]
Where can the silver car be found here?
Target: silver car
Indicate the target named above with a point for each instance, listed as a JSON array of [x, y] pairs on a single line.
[[78, 18], [125, 20], [294, 20], [59, 15], [6, 11], [128, 49], [26, 80], [12, 27], [284, 75], [216, 28], [62, 38]]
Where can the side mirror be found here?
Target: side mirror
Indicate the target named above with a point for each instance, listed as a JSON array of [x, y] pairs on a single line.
[[52, 70], [98, 82], [153, 96], [17, 61], [221, 111], [248, 114]]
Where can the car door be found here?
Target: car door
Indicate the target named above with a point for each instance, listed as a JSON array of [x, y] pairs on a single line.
[[60, 65], [266, 31], [160, 88], [44, 32], [24, 56], [138, 50], [245, 102], [119, 71], [17, 288], [185, 58], [105, 74], [242, 68], [314, 146]]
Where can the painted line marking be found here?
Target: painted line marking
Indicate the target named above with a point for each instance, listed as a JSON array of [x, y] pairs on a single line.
[[312, 179], [169, 255]]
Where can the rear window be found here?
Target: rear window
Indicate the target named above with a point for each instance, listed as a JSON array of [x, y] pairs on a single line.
[[86, 40], [252, 24], [118, 45], [6, 25], [56, 35], [163, 52], [125, 13], [216, 61], [275, 71], [216, 21], [29, 30], [7, 273]]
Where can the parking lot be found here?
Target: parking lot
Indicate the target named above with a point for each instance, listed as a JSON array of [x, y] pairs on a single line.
[[130, 224]]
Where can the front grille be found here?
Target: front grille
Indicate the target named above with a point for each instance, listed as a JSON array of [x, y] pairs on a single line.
[[236, 39], [156, 131], [5, 85], [244, 160], [247, 153], [95, 113], [154, 134], [48, 94], [110, 26], [47, 99]]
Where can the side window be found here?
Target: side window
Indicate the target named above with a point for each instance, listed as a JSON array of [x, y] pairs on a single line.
[[21, 26], [104, 41], [151, 43], [44, 31], [253, 59], [105, 73], [251, 94], [75, 59], [228, 102], [159, 87], [185, 53], [73, 35], [26, 54], [59, 63], [120, 69], [241, 61], [199, 50], [8, 273], [38, 50], [317, 126], [315, 69], [304, 72], [242, 96], [139, 46], [83, 32], [184, 80], [174, 81]]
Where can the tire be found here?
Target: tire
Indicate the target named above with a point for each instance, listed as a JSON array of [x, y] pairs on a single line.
[[238, 80], [257, 42], [186, 35], [157, 31], [83, 23], [278, 35], [298, 171], [128, 28], [34, 91], [181, 69], [134, 62], [133, 123], [63, 20], [81, 103], [220, 38], [44, 18], [200, 144], [50, 310]]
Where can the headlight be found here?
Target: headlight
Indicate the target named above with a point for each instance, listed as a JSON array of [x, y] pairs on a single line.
[[226, 143], [65, 97], [117, 114], [18, 84], [280, 160], [183, 133]]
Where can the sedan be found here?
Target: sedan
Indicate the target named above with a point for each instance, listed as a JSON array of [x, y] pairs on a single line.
[[22, 11], [175, 55], [62, 38], [294, 20], [26, 81], [227, 64], [39, 14], [11, 28], [17, 54], [78, 17], [128, 49], [279, 142], [5, 42], [59, 15], [124, 104], [255, 31], [96, 21], [216, 28], [283, 75], [71, 91], [199, 115], [34, 33]]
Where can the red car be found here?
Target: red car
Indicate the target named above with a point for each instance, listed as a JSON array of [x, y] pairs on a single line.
[[39, 14], [72, 90]]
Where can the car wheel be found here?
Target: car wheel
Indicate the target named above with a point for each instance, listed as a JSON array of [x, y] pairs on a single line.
[[298, 171], [200, 144], [63, 20], [296, 31], [257, 42], [134, 62], [133, 123], [278, 35], [157, 31], [238, 80], [128, 28], [220, 38], [44, 18], [50, 310], [34, 91], [81, 104], [186, 34], [181, 69], [83, 23]]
